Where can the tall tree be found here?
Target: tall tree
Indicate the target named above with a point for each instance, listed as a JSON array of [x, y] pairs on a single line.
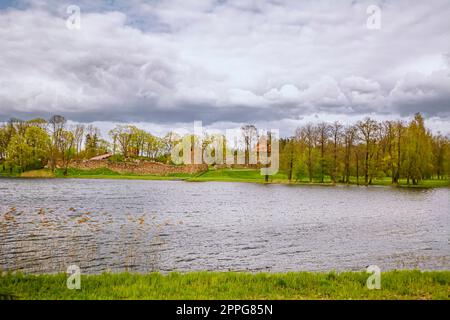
[[57, 124], [124, 136], [336, 135], [39, 142], [78, 134], [4, 142], [250, 136], [367, 129], [323, 130], [288, 156], [440, 151], [67, 149], [19, 153], [138, 137], [307, 135], [349, 140], [399, 137]]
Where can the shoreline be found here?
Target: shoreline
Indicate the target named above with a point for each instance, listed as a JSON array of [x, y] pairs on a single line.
[[164, 178], [426, 184]]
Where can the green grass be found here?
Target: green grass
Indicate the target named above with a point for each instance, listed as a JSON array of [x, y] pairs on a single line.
[[242, 175], [72, 172], [225, 175], [253, 175], [105, 173], [8, 174], [42, 173], [230, 285]]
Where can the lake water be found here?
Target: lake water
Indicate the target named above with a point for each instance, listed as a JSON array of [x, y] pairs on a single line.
[[140, 226]]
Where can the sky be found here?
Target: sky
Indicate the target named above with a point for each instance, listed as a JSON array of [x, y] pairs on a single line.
[[278, 64]]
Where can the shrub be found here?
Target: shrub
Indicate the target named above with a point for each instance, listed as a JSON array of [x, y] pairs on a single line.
[[116, 158]]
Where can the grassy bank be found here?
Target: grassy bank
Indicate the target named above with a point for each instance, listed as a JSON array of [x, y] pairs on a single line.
[[104, 173], [243, 175], [231, 285], [253, 175], [225, 175]]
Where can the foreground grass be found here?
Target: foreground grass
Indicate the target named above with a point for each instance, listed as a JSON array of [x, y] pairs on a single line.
[[231, 285]]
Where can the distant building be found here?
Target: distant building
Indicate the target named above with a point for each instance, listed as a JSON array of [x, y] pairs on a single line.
[[101, 157]]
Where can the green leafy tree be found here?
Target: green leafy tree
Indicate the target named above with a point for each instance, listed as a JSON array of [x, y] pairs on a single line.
[[39, 142], [19, 153], [288, 156], [57, 126], [4, 141], [441, 154], [418, 157], [123, 136]]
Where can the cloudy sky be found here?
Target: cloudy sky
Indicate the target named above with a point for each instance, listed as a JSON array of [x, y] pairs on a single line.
[[163, 63]]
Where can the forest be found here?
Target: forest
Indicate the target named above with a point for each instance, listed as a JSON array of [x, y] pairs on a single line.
[[363, 151], [366, 150]]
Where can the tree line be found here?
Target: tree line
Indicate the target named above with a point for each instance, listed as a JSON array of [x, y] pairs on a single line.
[[366, 150], [39, 143], [363, 151]]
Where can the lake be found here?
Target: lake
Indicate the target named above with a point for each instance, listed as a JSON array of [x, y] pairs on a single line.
[[141, 226]]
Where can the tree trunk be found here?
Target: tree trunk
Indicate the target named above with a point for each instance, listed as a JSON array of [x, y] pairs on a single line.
[[366, 165], [291, 165], [397, 173], [309, 165], [335, 160], [357, 169], [322, 160]]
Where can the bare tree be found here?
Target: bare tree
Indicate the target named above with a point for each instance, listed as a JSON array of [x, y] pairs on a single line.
[[336, 130], [367, 128], [308, 136], [440, 148], [78, 133], [57, 124], [249, 133], [400, 129], [67, 149], [349, 138], [323, 130]]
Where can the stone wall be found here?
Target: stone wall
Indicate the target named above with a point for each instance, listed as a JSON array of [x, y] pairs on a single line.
[[138, 167]]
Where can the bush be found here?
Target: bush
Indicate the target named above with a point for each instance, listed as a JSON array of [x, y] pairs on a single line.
[[380, 174], [116, 158], [163, 158]]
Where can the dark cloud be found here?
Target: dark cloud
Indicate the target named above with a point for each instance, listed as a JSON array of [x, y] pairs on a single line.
[[223, 61]]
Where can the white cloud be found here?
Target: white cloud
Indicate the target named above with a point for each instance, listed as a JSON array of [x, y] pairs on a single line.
[[287, 93], [229, 61]]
